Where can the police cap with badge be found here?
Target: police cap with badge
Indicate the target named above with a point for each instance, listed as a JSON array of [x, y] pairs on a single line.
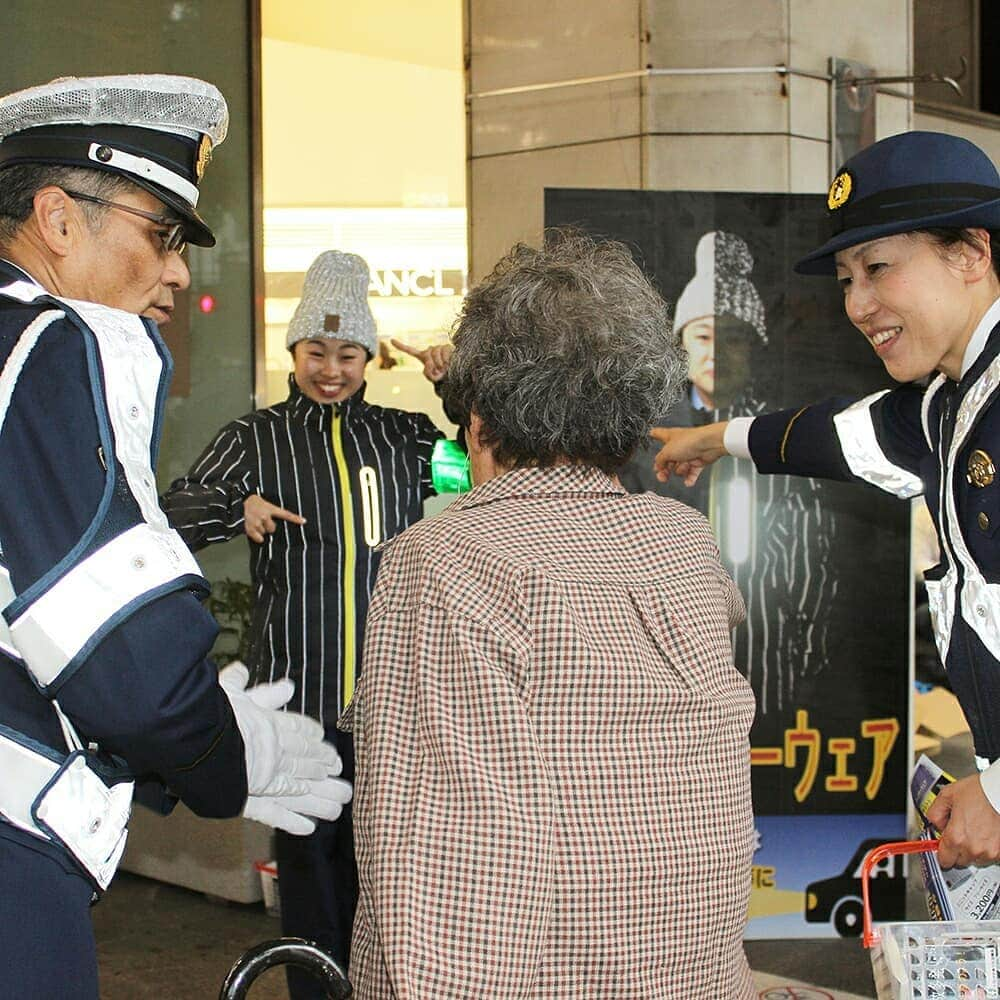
[[157, 131], [907, 182]]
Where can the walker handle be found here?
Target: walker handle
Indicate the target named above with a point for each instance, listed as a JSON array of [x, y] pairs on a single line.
[[872, 858], [281, 951]]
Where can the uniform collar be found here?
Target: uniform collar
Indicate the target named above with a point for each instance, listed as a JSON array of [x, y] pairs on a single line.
[[9, 271], [302, 407], [536, 482], [977, 342]]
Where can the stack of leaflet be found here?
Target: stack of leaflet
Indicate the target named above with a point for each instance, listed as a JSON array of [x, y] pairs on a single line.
[[957, 893]]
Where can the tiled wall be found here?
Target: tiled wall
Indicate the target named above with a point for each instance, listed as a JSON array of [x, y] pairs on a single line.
[[746, 131]]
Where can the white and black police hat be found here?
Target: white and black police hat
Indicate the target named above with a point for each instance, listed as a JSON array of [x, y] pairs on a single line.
[[911, 181], [157, 131]]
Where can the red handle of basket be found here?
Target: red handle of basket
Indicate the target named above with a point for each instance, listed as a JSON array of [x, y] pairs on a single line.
[[872, 858]]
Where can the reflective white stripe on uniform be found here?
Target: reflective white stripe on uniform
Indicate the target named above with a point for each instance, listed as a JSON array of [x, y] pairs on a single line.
[[925, 408], [53, 629], [25, 774], [89, 818], [6, 596], [980, 601], [864, 455], [132, 370], [8, 379], [19, 355], [23, 291], [941, 605]]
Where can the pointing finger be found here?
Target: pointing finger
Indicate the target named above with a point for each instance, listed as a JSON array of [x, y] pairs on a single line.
[[407, 349], [287, 515]]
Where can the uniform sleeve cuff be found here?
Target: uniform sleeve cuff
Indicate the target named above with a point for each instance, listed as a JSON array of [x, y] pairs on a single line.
[[990, 781], [736, 439]]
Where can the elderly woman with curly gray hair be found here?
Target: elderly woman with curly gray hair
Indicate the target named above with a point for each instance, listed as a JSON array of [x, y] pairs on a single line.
[[553, 792]]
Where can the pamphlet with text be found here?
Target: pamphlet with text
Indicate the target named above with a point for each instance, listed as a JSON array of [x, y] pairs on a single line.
[[955, 893]]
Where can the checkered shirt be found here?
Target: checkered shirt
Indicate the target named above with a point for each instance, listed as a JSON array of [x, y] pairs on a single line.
[[553, 789]]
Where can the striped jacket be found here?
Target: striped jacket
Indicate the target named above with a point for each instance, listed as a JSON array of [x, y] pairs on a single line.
[[359, 475]]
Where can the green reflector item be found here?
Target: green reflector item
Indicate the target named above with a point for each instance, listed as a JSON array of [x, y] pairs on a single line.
[[450, 467]]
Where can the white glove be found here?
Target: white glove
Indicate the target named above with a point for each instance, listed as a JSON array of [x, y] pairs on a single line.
[[290, 767]]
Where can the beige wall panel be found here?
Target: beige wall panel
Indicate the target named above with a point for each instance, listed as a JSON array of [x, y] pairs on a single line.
[[876, 32], [988, 139], [892, 115], [726, 103], [521, 122], [519, 42], [809, 107], [508, 192], [717, 163], [716, 32], [809, 171]]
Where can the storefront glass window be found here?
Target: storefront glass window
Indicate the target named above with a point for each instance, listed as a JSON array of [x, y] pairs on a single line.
[[364, 151]]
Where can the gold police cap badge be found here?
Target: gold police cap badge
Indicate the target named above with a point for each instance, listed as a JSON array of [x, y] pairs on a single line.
[[981, 471], [203, 157], [840, 190]]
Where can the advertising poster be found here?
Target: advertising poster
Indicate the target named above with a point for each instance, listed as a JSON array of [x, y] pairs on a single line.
[[823, 566]]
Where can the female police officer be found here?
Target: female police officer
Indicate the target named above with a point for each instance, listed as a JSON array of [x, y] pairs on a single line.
[[915, 223]]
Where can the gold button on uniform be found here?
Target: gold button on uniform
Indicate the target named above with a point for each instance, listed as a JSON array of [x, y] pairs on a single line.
[[984, 520], [981, 471]]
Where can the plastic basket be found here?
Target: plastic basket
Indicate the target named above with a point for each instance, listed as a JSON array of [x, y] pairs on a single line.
[[930, 960]]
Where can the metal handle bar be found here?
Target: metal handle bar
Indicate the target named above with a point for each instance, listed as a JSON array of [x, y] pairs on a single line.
[[872, 858], [952, 81], [285, 951]]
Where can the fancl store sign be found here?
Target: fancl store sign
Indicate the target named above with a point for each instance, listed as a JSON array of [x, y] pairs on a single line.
[[411, 251], [423, 282]]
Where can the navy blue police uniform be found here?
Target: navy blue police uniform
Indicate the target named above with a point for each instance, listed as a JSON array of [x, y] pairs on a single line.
[[129, 672], [103, 638]]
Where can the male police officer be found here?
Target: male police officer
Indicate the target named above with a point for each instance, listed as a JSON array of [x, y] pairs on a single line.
[[103, 642]]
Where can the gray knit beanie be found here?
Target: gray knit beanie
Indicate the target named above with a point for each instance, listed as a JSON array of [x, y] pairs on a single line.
[[334, 303]]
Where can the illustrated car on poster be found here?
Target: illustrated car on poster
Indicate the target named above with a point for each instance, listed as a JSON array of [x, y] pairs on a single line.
[[838, 899]]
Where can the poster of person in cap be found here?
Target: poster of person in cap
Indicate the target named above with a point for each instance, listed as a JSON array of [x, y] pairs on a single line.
[[720, 299], [316, 483], [694, 318], [104, 641], [912, 238]]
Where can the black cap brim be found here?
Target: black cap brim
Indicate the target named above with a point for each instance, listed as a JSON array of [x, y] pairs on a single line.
[[984, 215], [196, 230]]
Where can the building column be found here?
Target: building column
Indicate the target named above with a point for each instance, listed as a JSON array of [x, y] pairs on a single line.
[[721, 117]]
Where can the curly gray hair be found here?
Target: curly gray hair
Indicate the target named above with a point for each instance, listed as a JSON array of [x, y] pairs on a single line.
[[565, 353]]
